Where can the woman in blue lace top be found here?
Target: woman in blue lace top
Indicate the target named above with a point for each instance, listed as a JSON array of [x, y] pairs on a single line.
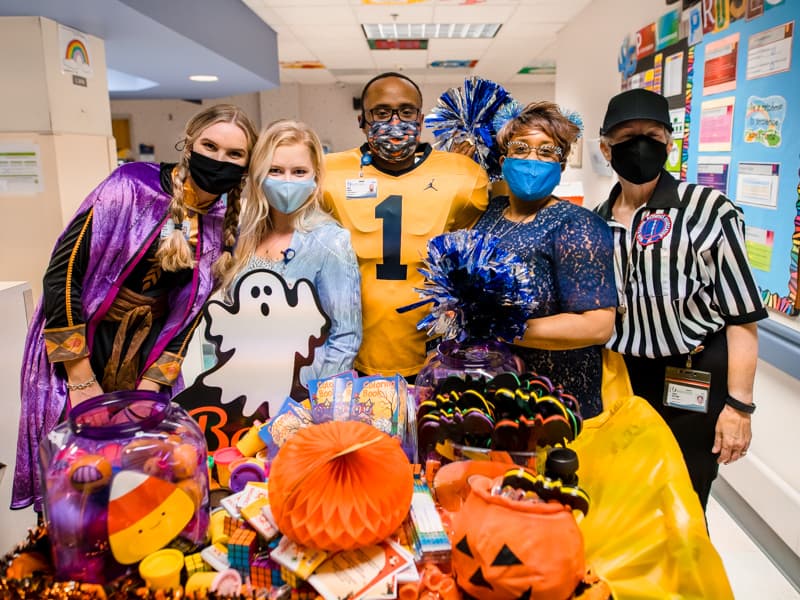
[[568, 248], [283, 229]]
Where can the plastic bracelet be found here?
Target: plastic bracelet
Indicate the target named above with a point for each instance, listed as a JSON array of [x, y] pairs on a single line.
[[74, 387], [748, 409]]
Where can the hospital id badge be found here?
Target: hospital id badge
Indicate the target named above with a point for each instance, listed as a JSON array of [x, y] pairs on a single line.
[[362, 187], [687, 389]]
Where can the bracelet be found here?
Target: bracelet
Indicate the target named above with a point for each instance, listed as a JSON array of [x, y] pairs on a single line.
[[74, 387], [748, 409]]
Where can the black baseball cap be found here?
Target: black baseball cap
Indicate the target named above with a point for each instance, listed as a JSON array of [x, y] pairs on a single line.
[[636, 104]]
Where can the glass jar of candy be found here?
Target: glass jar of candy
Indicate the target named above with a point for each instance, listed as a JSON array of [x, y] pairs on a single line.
[[474, 359], [125, 475]]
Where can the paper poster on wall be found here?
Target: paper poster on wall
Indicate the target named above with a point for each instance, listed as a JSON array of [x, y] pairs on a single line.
[[677, 117], [758, 243], [738, 9], [720, 65], [667, 29], [755, 8], [74, 47], [673, 164], [673, 75], [599, 163], [763, 120], [20, 169], [650, 80], [770, 51], [646, 41], [712, 171], [694, 19], [716, 124], [757, 184]]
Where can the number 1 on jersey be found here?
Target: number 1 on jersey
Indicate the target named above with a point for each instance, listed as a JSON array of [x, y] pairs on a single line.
[[391, 211]]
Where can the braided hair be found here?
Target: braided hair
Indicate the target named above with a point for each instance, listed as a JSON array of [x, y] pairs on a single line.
[[174, 252]]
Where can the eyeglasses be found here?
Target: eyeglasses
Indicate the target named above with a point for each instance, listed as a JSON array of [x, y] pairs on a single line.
[[547, 152], [383, 114]]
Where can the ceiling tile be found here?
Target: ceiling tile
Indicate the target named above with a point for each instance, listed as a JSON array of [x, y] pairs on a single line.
[[414, 13], [476, 13], [397, 60], [444, 49], [318, 15]]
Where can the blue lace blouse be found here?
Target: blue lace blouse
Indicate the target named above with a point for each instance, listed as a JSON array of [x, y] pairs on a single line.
[[570, 252]]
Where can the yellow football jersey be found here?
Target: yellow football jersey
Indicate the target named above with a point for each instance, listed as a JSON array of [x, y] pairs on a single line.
[[391, 218]]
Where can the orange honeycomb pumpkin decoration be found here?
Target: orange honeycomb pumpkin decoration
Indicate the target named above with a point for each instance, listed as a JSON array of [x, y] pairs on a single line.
[[507, 550], [340, 485]]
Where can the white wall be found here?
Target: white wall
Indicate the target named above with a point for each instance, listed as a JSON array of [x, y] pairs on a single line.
[[587, 49], [160, 123]]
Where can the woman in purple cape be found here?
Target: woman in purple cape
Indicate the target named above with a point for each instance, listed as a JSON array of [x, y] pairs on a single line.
[[128, 278]]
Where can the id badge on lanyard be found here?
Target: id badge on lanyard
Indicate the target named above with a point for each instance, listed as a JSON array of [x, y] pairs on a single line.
[[687, 388]]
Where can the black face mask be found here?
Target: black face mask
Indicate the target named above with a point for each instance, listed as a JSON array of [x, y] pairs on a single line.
[[639, 159], [214, 176]]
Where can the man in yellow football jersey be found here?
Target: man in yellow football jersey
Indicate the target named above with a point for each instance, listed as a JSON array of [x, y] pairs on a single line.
[[394, 194]]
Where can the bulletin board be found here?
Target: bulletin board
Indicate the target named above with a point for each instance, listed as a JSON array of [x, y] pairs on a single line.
[[741, 129]]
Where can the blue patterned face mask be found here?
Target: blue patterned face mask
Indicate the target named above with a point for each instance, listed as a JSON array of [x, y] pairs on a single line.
[[531, 179], [393, 141], [287, 196]]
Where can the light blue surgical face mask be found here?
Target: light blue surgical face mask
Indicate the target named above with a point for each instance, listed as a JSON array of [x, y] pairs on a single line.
[[287, 196], [531, 180]]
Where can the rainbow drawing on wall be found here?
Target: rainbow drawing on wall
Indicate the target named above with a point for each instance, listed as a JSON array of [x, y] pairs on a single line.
[[788, 304], [74, 50], [77, 52]]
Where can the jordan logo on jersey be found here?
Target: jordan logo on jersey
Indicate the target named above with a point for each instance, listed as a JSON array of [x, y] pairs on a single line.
[[430, 186]]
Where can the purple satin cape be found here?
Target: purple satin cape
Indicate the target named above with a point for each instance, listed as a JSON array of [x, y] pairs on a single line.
[[129, 209]]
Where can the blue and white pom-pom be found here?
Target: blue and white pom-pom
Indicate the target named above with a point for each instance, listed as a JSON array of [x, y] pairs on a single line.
[[467, 114], [479, 290]]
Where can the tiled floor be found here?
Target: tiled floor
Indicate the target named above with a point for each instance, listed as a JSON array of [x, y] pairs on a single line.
[[752, 575]]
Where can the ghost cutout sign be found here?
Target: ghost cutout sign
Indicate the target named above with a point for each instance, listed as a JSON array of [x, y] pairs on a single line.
[[262, 340]]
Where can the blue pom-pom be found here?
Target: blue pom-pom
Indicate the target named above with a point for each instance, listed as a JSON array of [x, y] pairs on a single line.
[[510, 110], [467, 114], [479, 290], [575, 118]]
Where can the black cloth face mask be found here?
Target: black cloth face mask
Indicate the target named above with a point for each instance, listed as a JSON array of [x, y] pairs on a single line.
[[214, 176], [639, 159]]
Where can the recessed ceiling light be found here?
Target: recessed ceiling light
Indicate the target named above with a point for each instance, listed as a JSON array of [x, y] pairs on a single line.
[[407, 31], [204, 78]]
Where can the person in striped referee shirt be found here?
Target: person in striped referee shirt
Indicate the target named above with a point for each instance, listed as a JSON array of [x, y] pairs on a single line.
[[688, 303]]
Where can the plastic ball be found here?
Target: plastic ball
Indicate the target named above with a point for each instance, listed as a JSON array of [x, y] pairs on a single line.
[[138, 451], [90, 473], [184, 461]]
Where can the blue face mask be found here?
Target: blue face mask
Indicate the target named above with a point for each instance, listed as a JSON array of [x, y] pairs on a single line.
[[531, 179], [287, 196]]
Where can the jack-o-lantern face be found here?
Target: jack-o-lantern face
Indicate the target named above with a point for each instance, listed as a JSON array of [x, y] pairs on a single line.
[[507, 550]]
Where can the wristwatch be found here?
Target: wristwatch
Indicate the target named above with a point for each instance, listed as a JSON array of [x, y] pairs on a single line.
[[748, 409]]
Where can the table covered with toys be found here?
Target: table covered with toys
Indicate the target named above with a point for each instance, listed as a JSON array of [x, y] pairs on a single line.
[[482, 481], [490, 488]]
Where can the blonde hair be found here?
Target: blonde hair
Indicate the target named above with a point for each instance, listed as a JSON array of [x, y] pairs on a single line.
[[255, 221], [174, 251]]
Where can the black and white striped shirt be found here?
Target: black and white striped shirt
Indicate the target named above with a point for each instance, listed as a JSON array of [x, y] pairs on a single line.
[[681, 270]]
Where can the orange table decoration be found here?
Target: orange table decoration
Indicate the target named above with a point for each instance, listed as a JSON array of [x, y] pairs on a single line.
[[340, 485]]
